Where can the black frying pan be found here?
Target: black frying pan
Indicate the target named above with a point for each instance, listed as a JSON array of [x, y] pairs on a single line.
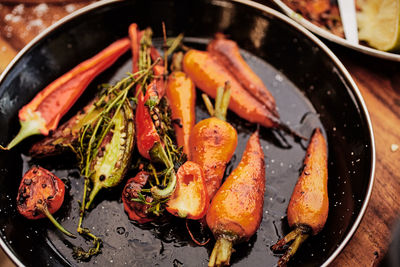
[[311, 87]]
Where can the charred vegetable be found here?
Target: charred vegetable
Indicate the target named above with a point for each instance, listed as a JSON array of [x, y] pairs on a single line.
[[44, 112], [66, 136], [213, 141], [227, 52], [309, 205], [41, 194], [137, 206], [111, 156], [236, 210], [190, 199], [153, 127]]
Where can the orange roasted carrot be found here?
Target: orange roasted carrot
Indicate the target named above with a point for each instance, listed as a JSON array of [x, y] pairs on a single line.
[[236, 210], [181, 94], [43, 113], [208, 75], [309, 205], [227, 52], [213, 142]]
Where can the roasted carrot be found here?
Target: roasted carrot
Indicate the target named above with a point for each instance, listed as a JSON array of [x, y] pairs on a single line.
[[208, 75], [227, 52], [235, 212], [213, 142], [43, 113], [309, 204], [181, 94]]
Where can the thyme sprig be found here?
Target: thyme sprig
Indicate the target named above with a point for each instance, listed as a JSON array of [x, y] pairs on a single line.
[[91, 137]]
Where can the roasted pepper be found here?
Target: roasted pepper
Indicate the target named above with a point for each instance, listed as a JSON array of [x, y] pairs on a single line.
[[40, 194], [236, 210], [43, 113], [135, 203], [190, 199], [109, 166], [66, 136], [309, 204]]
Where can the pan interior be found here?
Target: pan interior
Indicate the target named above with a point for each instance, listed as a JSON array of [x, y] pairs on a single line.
[[309, 90]]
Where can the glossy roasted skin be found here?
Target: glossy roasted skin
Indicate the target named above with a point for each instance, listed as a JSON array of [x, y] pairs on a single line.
[[309, 204], [44, 112], [146, 132], [41, 194], [227, 52], [208, 75], [64, 138], [190, 199], [212, 145], [236, 210], [181, 94], [136, 211], [39, 186]]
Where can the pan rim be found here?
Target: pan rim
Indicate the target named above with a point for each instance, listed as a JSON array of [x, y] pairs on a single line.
[[352, 86]]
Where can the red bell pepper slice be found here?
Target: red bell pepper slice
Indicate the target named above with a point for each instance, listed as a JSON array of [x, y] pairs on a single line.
[[43, 113], [190, 198]]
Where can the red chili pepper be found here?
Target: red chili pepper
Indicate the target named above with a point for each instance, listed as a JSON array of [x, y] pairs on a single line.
[[44, 112], [190, 198], [40, 194], [136, 210], [146, 132]]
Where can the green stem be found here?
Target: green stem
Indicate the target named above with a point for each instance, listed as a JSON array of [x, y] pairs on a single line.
[[159, 193], [96, 188], [221, 102], [43, 209], [208, 104], [28, 128], [82, 207], [175, 43], [221, 253], [292, 249], [299, 235]]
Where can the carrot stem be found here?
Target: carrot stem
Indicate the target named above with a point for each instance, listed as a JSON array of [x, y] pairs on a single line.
[[221, 253], [292, 249], [299, 235], [208, 104]]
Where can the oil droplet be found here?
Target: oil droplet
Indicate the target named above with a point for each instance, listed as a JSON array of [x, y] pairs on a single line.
[[120, 230], [280, 199]]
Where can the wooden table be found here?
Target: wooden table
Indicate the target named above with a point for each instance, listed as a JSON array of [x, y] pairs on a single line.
[[379, 83]]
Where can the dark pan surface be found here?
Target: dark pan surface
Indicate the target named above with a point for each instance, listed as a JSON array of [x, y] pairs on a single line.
[[303, 78]]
